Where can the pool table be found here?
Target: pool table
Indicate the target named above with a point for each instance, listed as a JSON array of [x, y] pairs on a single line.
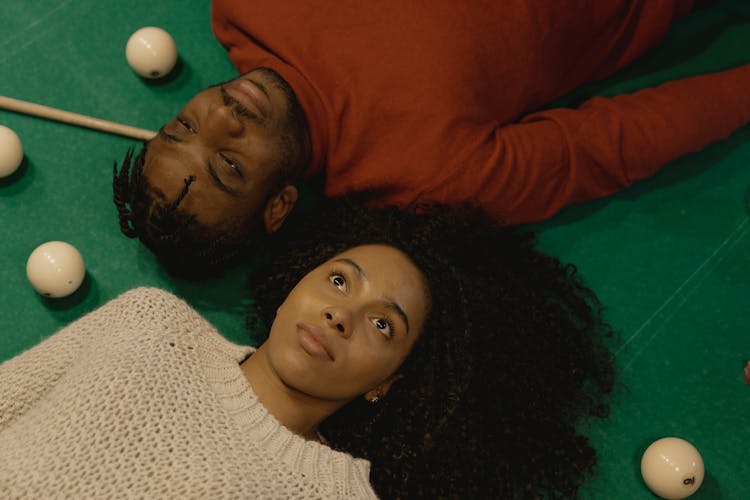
[[669, 257]]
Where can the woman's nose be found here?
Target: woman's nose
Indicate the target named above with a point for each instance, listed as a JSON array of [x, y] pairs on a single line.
[[339, 319]]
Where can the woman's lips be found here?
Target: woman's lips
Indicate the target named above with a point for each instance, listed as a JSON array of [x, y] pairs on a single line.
[[311, 340], [249, 95]]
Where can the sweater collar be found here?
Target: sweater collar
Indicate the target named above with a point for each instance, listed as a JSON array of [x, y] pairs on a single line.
[[308, 458]]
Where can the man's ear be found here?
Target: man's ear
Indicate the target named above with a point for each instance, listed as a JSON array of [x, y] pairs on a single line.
[[279, 207], [382, 389]]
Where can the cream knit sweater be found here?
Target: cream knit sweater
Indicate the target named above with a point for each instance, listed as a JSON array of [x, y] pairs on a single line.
[[143, 398]]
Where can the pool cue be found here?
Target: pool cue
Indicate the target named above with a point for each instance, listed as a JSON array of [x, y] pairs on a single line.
[[30, 108]]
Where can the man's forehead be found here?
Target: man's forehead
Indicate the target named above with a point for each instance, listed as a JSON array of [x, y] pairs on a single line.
[[201, 96]]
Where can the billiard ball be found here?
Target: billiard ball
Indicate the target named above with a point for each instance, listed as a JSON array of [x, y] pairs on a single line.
[[672, 468], [11, 151], [55, 269], [151, 52]]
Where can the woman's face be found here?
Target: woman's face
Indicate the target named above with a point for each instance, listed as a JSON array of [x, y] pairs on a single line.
[[349, 324]]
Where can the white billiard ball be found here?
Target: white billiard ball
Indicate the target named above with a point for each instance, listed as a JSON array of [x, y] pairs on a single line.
[[55, 269], [151, 52], [11, 151], [672, 468]]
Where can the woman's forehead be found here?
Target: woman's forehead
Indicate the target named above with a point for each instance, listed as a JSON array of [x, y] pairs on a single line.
[[388, 268]]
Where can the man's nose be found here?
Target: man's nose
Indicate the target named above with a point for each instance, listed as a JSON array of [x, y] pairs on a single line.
[[338, 318], [223, 120]]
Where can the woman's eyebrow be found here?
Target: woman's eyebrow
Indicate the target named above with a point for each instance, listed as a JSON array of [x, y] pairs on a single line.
[[387, 302], [393, 306], [357, 269]]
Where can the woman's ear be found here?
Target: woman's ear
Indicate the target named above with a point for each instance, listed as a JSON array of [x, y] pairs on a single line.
[[379, 392], [279, 207]]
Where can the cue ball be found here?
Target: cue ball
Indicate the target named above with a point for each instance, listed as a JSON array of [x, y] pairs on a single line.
[[151, 52], [11, 151], [672, 468], [55, 269]]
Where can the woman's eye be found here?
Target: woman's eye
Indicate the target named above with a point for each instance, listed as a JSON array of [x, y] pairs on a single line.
[[338, 281], [384, 326], [185, 125]]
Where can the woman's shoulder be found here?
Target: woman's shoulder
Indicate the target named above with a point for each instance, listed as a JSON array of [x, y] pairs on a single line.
[[149, 298], [139, 311], [161, 315], [149, 305]]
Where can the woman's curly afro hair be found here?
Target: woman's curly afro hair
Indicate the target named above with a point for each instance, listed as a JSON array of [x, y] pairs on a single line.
[[512, 357]]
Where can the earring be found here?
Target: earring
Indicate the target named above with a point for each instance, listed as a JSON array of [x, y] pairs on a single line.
[[374, 399]]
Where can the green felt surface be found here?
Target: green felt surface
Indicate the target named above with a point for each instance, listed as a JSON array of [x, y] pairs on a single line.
[[669, 258]]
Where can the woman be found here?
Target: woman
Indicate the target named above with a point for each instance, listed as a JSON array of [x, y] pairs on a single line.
[[452, 361], [511, 359]]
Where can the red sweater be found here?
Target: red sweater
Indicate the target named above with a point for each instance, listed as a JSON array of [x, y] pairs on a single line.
[[412, 102]]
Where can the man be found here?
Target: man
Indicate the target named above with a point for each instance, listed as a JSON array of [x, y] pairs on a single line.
[[412, 104]]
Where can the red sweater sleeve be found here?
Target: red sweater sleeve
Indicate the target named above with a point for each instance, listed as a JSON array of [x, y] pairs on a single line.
[[556, 157]]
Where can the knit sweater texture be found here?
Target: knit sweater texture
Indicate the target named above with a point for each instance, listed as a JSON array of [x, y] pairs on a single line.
[[422, 102], [143, 398]]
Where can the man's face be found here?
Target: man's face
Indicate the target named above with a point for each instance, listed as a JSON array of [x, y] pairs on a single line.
[[348, 325], [229, 137]]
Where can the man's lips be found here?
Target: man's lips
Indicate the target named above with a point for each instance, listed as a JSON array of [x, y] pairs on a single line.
[[313, 341], [250, 96]]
